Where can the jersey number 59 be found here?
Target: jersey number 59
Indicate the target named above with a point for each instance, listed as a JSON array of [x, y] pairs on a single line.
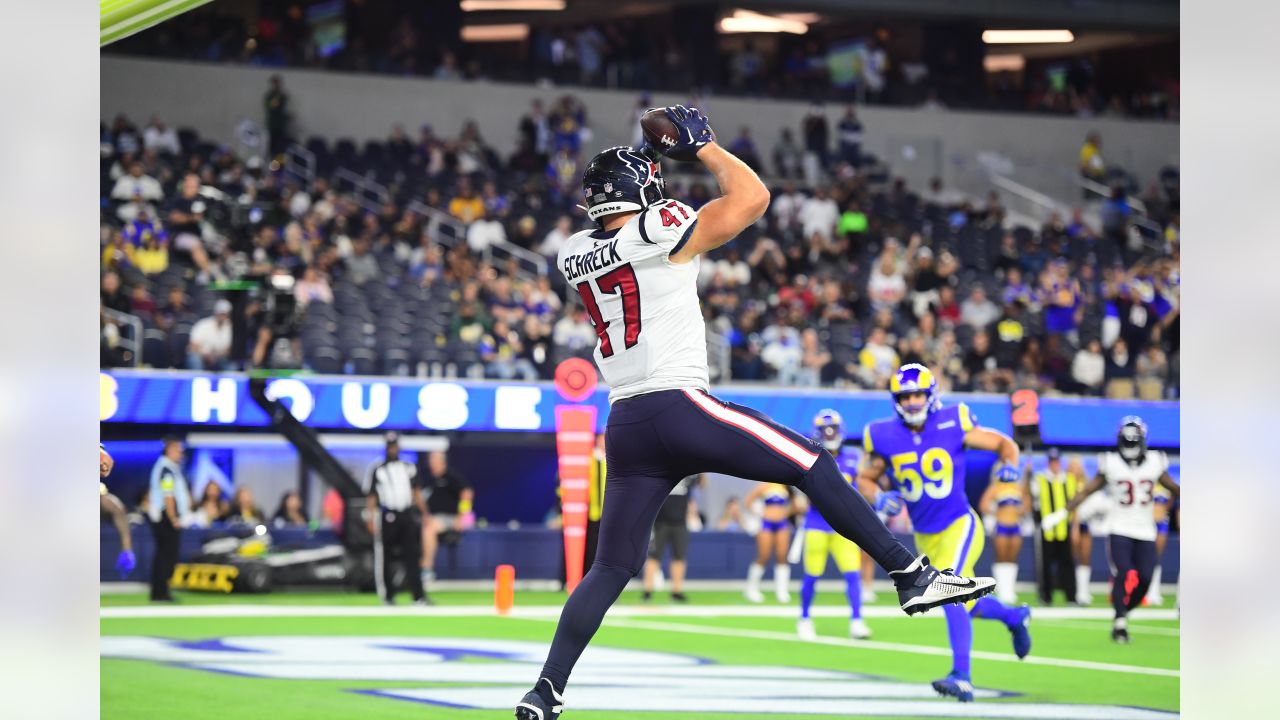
[[937, 468], [620, 280]]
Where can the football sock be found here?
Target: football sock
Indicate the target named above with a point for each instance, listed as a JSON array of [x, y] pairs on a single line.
[[960, 632], [851, 516], [1082, 578], [781, 578], [1006, 574], [989, 608], [808, 588], [581, 617], [853, 591], [1154, 588]]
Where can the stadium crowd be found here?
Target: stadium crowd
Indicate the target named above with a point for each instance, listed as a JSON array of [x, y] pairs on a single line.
[[849, 274], [836, 62]]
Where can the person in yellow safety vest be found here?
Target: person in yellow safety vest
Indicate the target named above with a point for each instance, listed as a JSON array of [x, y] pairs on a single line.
[[595, 499], [1051, 489]]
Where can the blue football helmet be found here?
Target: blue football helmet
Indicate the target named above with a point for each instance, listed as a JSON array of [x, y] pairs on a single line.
[[1131, 439], [621, 179], [915, 378], [828, 429]]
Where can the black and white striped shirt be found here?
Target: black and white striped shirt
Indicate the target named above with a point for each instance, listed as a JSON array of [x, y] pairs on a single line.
[[392, 481]]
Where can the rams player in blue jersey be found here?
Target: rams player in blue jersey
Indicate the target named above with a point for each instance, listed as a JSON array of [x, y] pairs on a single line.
[[921, 455], [820, 540]]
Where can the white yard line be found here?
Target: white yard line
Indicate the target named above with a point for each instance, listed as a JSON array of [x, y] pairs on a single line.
[[553, 611], [1105, 625], [891, 647]]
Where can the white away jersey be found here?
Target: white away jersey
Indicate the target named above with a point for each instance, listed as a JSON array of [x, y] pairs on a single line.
[[644, 307], [1133, 490]]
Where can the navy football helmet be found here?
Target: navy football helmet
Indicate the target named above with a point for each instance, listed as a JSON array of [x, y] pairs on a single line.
[[1131, 440], [621, 179]]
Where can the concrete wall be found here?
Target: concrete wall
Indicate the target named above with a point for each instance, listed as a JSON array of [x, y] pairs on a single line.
[[213, 99]]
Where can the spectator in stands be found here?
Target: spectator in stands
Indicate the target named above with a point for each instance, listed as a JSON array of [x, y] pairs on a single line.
[[160, 139], [878, 361], [782, 352], [243, 510], [573, 332], [977, 311], [536, 347], [211, 507], [886, 286], [1152, 372], [185, 214], [1120, 371], [448, 68], [484, 231], [1091, 164], [502, 351], [731, 519], [276, 105], [210, 347], [817, 143], [466, 205], [819, 214], [113, 295], [313, 287], [290, 512], [472, 320], [947, 309], [1089, 369], [745, 149], [849, 134], [137, 185], [361, 265], [787, 156], [1060, 297], [813, 361], [982, 368], [555, 237]]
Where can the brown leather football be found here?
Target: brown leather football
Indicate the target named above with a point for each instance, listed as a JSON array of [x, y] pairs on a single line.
[[661, 133]]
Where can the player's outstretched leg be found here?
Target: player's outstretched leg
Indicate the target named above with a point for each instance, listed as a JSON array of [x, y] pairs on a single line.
[[736, 440], [1121, 551], [960, 632], [858, 629], [630, 506], [1016, 618]]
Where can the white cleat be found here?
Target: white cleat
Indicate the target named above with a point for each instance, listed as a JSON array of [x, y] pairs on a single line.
[[868, 595], [804, 628], [858, 629], [753, 595], [1155, 600], [1084, 599], [783, 596]]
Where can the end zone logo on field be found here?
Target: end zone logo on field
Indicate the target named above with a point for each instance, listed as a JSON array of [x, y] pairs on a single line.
[[483, 674]]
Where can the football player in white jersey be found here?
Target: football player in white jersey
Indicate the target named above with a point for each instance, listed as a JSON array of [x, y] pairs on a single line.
[[1131, 475], [637, 276]]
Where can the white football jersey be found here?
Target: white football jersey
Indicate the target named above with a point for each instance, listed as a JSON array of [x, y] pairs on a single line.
[[644, 307], [1132, 489]]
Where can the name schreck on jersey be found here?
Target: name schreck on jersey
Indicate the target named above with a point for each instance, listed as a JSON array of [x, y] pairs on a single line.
[[602, 256]]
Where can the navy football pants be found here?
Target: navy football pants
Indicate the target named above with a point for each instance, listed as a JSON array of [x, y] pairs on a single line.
[[654, 440], [1129, 554]]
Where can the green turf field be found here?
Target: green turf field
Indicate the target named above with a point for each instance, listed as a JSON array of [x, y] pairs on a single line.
[[339, 655]]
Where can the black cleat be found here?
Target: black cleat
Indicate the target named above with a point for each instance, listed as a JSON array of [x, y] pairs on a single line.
[[679, 597], [646, 596], [1120, 635], [540, 703], [922, 587]]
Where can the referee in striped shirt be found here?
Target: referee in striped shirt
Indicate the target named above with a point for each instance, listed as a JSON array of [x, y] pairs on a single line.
[[395, 505]]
